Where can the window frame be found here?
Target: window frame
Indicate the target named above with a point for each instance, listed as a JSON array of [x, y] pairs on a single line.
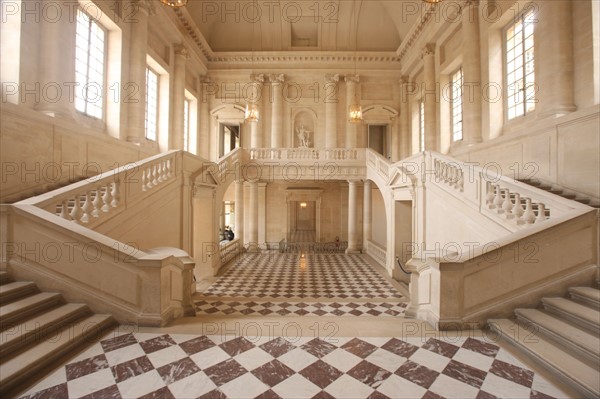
[[523, 105], [454, 104], [421, 125], [103, 99], [149, 69], [187, 108]]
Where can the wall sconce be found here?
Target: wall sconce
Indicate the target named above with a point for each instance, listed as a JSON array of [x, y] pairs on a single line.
[[303, 205]]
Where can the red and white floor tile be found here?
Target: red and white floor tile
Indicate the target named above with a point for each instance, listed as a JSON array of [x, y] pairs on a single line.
[[144, 365]]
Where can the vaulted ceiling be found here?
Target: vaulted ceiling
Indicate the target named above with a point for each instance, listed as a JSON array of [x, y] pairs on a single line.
[[304, 25]]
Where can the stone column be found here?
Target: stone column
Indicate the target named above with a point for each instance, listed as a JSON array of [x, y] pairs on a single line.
[[57, 61], [471, 73], [404, 121], [253, 220], [367, 213], [239, 210], [178, 98], [204, 118], [353, 244], [554, 58], [429, 96], [138, 50], [331, 102], [351, 98], [277, 110], [256, 140]]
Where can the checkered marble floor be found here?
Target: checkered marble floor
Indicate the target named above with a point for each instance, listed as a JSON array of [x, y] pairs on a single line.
[[236, 308], [276, 275], [187, 366]]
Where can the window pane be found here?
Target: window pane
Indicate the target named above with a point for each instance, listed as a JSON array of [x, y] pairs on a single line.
[[89, 66], [519, 65], [151, 104]]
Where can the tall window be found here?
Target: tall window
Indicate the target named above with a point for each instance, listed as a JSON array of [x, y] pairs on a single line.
[[89, 66], [421, 125], [151, 104], [520, 76], [457, 105], [186, 125]]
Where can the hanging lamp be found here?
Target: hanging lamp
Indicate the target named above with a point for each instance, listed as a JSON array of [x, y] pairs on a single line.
[[252, 113], [355, 114], [174, 3]]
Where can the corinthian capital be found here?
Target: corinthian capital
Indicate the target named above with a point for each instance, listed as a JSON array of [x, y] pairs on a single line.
[[428, 49], [143, 5], [352, 79], [332, 78], [277, 78], [181, 50], [257, 77]]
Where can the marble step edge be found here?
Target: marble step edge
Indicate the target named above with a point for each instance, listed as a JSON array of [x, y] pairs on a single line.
[[568, 368]]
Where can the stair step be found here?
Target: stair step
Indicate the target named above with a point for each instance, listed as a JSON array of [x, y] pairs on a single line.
[[26, 364], [577, 339], [582, 315], [14, 312], [40, 327], [577, 372], [4, 277], [588, 295], [12, 291]]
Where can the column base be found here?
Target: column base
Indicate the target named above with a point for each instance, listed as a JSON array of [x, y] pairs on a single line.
[[352, 251]]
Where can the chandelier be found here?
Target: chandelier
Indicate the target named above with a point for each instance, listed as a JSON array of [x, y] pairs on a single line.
[[432, 1], [252, 113], [355, 114], [174, 3]]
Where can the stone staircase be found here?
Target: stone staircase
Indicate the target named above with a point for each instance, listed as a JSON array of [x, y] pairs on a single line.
[[563, 335], [38, 331], [553, 189]]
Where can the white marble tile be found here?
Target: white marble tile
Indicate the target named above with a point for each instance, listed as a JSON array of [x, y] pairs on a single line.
[[246, 386], [91, 383], [341, 359], [192, 386], [57, 377], [430, 359], [166, 355], [477, 360], [503, 388], [209, 357], [296, 387], [348, 387], [253, 358], [386, 360], [124, 354], [451, 388], [542, 385], [297, 359], [141, 384], [398, 387]]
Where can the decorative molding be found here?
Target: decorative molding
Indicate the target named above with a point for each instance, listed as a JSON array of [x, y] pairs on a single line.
[[416, 31], [403, 80], [145, 5]]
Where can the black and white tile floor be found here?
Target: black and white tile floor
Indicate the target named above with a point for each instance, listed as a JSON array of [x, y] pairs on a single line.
[[275, 275], [186, 366]]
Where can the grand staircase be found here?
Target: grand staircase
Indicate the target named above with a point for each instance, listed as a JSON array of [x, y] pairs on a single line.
[[38, 331], [563, 335]]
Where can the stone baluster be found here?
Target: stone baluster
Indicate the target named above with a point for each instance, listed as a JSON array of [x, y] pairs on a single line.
[[97, 203], [498, 200], [159, 168], [490, 193], [541, 213], [116, 194], [529, 215], [64, 212], [76, 211], [154, 175], [517, 210], [107, 198], [149, 184], [169, 168], [507, 205], [86, 208]]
